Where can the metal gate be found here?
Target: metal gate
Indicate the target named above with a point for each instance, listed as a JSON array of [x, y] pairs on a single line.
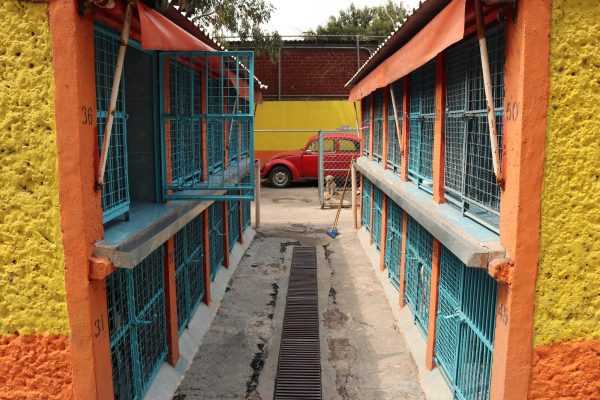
[[465, 327], [418, 253], [189, 274], [378, 125], [422, 118], [335, 155], [137, 325], [377, 215], [366, 204], [393, 246], [216, 233], [233, 222]]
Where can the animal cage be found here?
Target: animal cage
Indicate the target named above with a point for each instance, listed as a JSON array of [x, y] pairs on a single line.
[[207, 124], [189, 272], [378, 125], [216, 234], [418, 253], [137, 325], [366, 204], [366, 128], [393, 247], [377, 216], [470, 182], [394, 156], [422, 119], [115, 192], [465, 326]]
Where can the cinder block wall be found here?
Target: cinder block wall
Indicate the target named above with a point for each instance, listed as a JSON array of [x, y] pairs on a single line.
[[35, 348], [567, 327]]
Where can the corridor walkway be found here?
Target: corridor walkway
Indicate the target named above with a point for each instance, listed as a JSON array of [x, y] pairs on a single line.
[[363, 356]]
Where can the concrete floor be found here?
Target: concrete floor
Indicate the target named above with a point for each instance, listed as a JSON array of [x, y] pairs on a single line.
[[362, 354]]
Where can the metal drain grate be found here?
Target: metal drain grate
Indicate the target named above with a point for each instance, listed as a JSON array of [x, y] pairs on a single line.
[[299, 366]]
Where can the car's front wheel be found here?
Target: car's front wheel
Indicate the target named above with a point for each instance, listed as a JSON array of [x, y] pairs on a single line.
[[280, 177]]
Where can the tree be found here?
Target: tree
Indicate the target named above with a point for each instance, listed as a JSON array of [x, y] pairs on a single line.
[[241, 18], [367, 22]]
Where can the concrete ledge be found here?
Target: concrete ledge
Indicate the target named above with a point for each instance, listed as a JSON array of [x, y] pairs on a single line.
[[473, 244], [433, 383], [168, 378]]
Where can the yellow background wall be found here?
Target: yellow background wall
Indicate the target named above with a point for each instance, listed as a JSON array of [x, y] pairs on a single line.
[[566, 362], [32, 288], [568, 284], [309, 115]]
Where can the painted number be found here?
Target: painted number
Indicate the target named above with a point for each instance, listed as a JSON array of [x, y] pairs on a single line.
[[99, 325], [88, 116], [512, 110], [503, 313]]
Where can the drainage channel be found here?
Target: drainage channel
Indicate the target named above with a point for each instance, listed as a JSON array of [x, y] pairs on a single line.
[[299, 365]]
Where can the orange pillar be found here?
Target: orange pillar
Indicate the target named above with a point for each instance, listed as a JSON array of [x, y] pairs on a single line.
[[171, 303], [206, 256], [403, 259], [405, 130], [438, 129], [383, 236], [433, 303], [527, 87], [386, 96], [225, 208], [80, 205]]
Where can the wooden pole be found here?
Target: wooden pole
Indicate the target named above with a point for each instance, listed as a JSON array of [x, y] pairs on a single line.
[[489, 96], [396, 119], [114, 93]]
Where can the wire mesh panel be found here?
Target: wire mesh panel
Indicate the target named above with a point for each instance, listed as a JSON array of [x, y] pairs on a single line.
[[366, 128], [366, 204], [246, 211], [377, 215], [233, 223], [465, 327], [378, 125], [394, 156], [137, 325], [207, 123], [418, 253], [470, 182], [115, 192], [422, 119], [393, 247], [189, 275], [216, 233], [185, 131]]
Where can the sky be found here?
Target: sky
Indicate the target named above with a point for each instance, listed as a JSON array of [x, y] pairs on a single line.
[[293, 17]]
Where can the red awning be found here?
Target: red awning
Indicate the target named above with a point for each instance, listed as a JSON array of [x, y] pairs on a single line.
[[445, 29], [159, 33]]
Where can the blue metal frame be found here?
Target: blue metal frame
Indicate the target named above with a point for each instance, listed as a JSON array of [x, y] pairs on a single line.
[[377, 216], [366, 204], [465, 327], [189, 270], [470, 183], [137, 325], [393, 246], [378, 100], [422, 119], [216, 233], [394, 156], [233, 222], [115, 192], [418, 254], [366, 112], [224, 77]]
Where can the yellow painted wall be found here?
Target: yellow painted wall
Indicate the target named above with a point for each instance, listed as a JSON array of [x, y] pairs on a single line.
[[568, 283], [309, 115], [32, 281]]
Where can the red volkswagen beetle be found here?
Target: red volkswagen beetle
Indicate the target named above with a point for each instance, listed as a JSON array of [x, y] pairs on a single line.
[[339, 149]]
